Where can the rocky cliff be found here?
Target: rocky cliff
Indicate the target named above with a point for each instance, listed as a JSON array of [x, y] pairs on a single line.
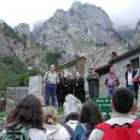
[[76, 31], [136, 39], [12, 44]]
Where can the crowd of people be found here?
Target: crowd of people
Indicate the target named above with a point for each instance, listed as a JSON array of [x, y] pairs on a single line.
[[29, 121], [83, 121], [61, 85]]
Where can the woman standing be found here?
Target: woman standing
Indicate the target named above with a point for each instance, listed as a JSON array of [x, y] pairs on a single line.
[[61, 90], [68, 82], [79, 87]]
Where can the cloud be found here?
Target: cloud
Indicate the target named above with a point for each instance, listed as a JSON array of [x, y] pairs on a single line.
[[122, 12]]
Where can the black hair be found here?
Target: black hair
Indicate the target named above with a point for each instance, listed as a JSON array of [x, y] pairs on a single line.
[[123, 99], [128, 65], [90, 114], [72, 116]]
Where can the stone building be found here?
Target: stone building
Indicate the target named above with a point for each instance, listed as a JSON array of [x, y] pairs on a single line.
[[102, 60], [119, 64]]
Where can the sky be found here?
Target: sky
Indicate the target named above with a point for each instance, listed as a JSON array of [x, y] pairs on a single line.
[[123, 13]]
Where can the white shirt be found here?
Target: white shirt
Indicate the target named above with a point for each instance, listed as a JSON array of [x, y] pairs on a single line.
[[56, 132], [130, 79], [36, 134]]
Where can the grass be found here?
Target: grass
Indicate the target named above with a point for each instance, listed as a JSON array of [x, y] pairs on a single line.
[[3, 114], [60, 112]]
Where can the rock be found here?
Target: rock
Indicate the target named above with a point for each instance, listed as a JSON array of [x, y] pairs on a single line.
[[72, 104], [23, 28], [76, 30], [35, 88], [136, 38], [30, 53], [10, 105], [2, 105]]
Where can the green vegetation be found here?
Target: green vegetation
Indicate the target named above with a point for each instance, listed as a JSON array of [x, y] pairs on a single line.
[[53, 57], [13, 72], [9, 31], [3, 114]]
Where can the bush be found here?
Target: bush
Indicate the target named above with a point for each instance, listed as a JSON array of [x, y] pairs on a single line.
[[14, 73], [53, 57]]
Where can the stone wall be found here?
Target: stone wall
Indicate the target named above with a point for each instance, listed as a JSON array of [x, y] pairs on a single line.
[[14, 95], [120, 68]]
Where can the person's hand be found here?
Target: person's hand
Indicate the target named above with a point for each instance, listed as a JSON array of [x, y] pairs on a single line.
[[65, 85], [77, 84]]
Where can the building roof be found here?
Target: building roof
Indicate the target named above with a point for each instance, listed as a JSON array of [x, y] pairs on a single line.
[[126, 55], [71, 62], [118, 58]]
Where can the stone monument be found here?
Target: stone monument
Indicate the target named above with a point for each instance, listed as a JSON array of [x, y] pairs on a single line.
[[72, 104], [35, 87]]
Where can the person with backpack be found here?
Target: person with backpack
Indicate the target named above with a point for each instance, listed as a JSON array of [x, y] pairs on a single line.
[[121, 125], [25, 122], [51, 80], [89, 118], [71, 121], [55, 131]]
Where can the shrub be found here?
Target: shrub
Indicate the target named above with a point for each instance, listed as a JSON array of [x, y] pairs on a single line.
[[53, 57], [14, 73]]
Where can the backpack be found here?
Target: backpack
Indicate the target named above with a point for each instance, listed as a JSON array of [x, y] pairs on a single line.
[[70, 131], [86, 133], [17, 133], [120, 132]]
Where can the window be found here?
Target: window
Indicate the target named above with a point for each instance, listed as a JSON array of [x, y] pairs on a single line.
[[135, 62]]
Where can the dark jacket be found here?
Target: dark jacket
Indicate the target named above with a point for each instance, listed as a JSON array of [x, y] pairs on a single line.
[[136, 86], [68, 86], [79, 91], [93, 78]]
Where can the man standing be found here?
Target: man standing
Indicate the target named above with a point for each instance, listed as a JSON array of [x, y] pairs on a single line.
[[51, 79], [93, 83], [111, 81], [129, 75]]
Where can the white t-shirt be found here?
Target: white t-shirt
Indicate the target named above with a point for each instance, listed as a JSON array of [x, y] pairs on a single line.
[[130, 79]]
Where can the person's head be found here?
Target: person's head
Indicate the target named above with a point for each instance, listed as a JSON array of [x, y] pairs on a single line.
[[52, 68], [72, 116], [129, 67], [78, 74], [61, 73], [50, 115], [90, 114], [91, 69], [69, 75], [112, 71], [28, 111], [122, 100]]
